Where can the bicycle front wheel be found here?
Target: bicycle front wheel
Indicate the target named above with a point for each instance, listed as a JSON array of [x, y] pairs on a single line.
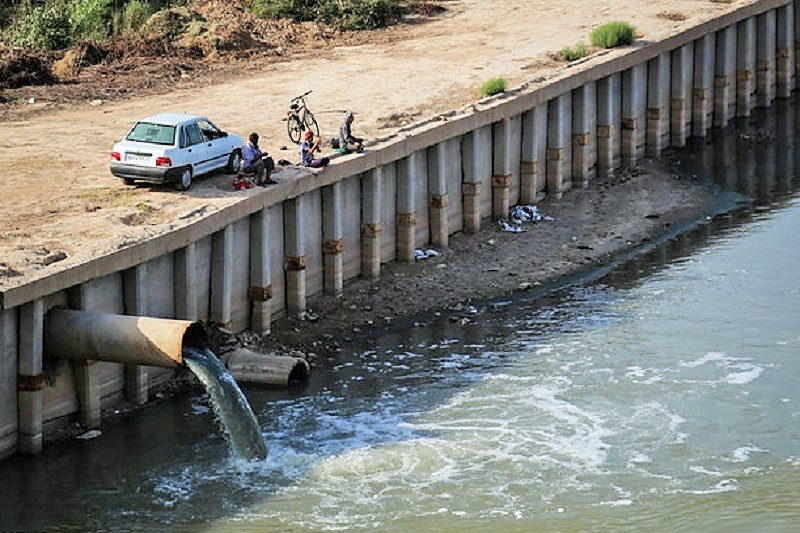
[[294, 128], [311, 123]]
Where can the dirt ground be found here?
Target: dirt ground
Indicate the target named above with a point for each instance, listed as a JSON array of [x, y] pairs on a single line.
[[59, 206]]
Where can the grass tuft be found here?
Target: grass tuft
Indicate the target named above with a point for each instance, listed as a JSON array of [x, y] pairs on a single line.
[[612, 34], [573, 53], [493, 86]]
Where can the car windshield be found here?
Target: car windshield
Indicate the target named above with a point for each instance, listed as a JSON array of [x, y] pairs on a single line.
[[147, 132]]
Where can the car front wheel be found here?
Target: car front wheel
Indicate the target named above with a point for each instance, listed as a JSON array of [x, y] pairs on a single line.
[[234, 162], [186, 179]]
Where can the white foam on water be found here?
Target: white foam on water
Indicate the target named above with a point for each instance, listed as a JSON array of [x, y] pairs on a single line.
[[748, 373], [742, 454], [710, 357], [724, 485]]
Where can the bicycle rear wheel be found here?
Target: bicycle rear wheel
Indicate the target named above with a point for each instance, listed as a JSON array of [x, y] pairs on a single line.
[[311, 123], [294, 128]]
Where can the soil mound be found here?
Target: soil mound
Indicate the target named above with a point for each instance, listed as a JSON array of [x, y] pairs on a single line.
[[19, 68]]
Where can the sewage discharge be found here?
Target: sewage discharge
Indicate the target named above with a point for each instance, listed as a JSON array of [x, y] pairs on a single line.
[[228, 402]]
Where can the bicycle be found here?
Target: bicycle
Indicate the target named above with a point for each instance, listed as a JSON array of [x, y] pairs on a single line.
[[300, 118]]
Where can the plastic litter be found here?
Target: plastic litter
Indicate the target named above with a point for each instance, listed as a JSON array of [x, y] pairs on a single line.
[[91, 434], [505, 226], [525, 213], [421, 255]]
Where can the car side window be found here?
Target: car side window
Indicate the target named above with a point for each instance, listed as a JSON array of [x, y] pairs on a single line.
[[185, 141], [195, 136], [210, 131]]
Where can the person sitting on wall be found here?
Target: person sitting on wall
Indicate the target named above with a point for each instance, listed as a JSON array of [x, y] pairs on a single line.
[[254, 161], [347, 142], [307, 149]]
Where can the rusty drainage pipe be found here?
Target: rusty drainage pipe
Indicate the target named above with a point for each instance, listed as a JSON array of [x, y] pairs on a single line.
[[120, 338]]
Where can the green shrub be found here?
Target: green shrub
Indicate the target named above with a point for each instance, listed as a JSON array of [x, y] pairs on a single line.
[[40, 26], [612, 34], [493, 86], [573, 53], [134, 15], [90, 19], [344, 14]]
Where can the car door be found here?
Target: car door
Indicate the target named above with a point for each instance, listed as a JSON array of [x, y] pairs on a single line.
[[194, 149], [217, 146]]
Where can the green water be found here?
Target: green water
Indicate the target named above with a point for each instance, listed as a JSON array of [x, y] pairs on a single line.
[[663, 396]]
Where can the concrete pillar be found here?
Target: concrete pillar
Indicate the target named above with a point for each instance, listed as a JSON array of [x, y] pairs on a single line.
[[796, 26], [333, 239], [680, 84], [785, 66], [584, 134], [501, 169], [295, 249], [185, 273], [86, 371], [222, 276], [634, 111], [745, 66], [559, 125], [534, 153], [702, 93], [260, 290], [658, 94], [472, 186], [437, 195], [134, 288], [766, 42], [9, 379], [407, 208], [371, 223], [725, 77], [30, 380], [609, 91]]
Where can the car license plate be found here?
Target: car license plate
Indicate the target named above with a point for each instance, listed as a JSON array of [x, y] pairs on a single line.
[[137, 157]]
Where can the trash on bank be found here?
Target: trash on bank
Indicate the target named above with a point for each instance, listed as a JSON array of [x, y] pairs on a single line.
[[91, 434], [527, 213], [421, 255], [510, 228]]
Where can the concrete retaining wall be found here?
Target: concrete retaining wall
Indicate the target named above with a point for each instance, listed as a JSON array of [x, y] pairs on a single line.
[[272, 252]]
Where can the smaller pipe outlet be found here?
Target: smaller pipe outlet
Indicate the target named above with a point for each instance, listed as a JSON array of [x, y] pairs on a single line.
[[120, 338]]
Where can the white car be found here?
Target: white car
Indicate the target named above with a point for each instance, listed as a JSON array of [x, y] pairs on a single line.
[[174, 147]]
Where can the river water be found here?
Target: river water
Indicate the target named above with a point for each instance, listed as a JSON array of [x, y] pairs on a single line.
[[660, 395]]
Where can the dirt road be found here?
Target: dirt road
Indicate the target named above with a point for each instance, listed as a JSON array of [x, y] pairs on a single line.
[[59, 205]]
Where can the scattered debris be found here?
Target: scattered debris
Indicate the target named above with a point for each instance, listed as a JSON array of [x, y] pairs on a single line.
[[54, 258], [91, 434], [510, 228], [421, 255]]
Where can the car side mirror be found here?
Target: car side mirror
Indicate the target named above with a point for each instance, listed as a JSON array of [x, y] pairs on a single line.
[[223, 134]]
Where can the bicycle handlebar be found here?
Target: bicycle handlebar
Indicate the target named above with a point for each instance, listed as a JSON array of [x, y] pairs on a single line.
[[301, 96]]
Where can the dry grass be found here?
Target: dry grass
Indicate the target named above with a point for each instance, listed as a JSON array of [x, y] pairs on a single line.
[[676, 16]]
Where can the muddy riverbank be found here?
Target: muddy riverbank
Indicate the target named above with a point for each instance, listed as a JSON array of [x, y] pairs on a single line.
[[588, 228]]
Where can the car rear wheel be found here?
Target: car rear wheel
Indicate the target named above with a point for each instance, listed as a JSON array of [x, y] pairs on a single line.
[[185, 180], [234, 162], [128, 181]]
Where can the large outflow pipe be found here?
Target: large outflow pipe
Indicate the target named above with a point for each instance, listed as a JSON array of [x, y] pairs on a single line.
[[120, 338]]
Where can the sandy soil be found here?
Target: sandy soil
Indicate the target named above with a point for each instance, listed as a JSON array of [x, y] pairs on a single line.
[[59, 205]]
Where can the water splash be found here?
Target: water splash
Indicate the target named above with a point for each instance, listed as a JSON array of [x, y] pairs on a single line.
[[228, 402]]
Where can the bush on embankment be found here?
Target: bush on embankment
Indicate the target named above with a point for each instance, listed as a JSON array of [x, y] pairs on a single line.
[[58, 24], [344, 14], [612, 34], [493, 86]]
